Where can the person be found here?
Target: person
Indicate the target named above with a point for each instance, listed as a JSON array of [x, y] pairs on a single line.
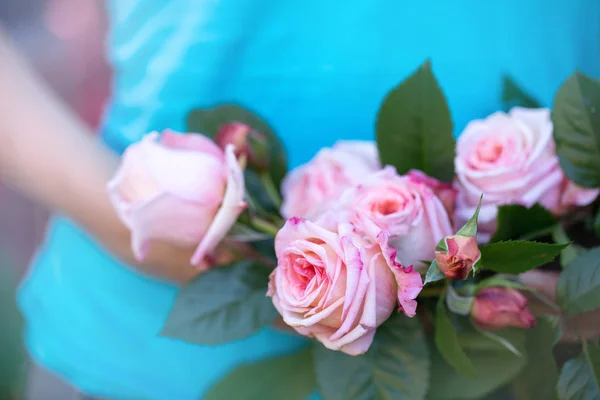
[[316, 70]]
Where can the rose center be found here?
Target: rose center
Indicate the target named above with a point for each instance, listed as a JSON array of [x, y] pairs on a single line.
[[489, 151], [456, 263], [304, 270], [387, 206]]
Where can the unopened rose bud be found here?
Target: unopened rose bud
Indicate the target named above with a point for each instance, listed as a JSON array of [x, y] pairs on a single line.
[[501, 307], [458, 261], [234, 133], [248, 143]]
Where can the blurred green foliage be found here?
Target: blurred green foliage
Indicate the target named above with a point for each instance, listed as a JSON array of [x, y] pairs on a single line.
[[12, 352]]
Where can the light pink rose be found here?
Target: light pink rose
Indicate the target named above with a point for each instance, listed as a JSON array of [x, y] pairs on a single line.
[[510, 159], [573, 196], [443, 190], [463, 252], [408, 210], [178, 188], [309, 189], [338, 284]]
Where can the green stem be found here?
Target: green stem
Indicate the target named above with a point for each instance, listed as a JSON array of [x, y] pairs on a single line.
[[569, 253], [272, 191], [432, 291], [264, 226]]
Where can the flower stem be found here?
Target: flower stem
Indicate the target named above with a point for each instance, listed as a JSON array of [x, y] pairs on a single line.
[[432, 291], [264, 226], [272, 191]]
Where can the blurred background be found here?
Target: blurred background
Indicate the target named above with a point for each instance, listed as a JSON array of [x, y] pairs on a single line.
[[64, 40]]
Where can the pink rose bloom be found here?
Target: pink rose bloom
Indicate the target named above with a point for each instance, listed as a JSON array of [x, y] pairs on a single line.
[[408, 210], [510, 159], [443, 190], [501, 307], [179, 188], [463, 252], [573, 196], [309, 189], [338, 284]]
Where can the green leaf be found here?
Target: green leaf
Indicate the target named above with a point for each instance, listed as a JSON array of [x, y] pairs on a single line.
[[538, 378], [516, 221], [222, 305], [577, 129], [470, 227], [208, 121], [569, 253], [495, 365], [458, 304], [592, 355], [515, 257], [433, 273], [499, 280], [13, 357], [579, 376], [446, 339], [578, 287], [288, 377], [500, 340], [395, 367], [597, 223], [243, 233], [513, 95], [414, 127]]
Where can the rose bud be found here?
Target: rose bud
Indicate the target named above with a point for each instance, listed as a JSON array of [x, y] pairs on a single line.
[[178, 188], [458, 261], [500, 307], [247, 142]]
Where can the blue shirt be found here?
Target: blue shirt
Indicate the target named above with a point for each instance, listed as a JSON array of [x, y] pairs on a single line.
[[317, 70]]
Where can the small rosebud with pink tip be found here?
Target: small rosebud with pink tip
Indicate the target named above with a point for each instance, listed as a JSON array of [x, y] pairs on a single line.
[[247, 142], [461, 255], [501, 307]]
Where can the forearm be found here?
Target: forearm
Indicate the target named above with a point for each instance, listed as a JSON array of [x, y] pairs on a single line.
[[47, 152], [50, 155]]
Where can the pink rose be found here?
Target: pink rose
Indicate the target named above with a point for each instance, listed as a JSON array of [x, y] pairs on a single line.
[[573, 196], [501, 307], [309, 189], [458, 261], [444, 191], [510, 159], [338, 284], [407, 209], [178, 188]]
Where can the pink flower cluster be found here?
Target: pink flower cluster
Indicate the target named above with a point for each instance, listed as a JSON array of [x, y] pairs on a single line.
[[359, 236], [344, 270], [367, 231]]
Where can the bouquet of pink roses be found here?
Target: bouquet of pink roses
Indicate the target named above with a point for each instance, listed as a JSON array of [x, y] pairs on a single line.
[[400, 258]]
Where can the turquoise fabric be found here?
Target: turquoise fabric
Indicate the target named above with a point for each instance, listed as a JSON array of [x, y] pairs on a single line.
[[317, 70]]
